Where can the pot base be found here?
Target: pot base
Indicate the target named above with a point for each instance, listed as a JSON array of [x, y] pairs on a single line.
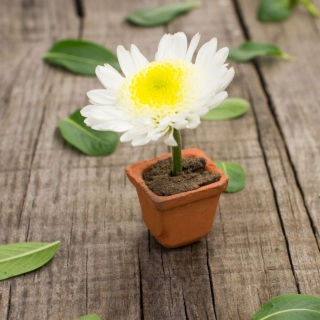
[[183, 218]]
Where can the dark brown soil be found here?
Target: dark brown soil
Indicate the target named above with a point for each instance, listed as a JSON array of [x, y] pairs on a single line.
[[193, 176]]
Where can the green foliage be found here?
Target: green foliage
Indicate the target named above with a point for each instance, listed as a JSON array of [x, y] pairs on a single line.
[[162, 14], [250, 50], [80, 57], [92, 316], [310, 7], [280, 10], [229, 109], [274, 10], [19, 258], [290, 307], [89, 141], [236, 175]]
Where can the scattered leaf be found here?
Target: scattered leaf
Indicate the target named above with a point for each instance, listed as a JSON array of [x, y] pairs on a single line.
[[274, 10], [289, 307], [19, 258], [80, 57], [250, 50], [280, 10], [236, 175], [89, 317], [89, 141], [229, 109], [310, 7], [162, 14]]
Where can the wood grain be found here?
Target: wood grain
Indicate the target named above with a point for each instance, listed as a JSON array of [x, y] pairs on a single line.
[[263, 242], [28, 29], [292, 90]]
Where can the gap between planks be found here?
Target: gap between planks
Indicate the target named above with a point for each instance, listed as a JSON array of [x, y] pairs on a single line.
[[271, 107], [272, 110]]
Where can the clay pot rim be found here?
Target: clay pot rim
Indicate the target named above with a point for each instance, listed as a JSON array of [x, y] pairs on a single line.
[[134, 173]]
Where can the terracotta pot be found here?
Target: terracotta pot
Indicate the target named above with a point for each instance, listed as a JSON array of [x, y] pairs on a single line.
[[182, 218]]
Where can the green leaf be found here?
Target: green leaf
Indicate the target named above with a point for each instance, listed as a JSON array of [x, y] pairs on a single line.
[[80, 57], [250, 50], [19, 258], [89, 141], [162, 14], [290, 307], [229, 109], [236, 175], [274, 10], [89, 317], [310, 7]]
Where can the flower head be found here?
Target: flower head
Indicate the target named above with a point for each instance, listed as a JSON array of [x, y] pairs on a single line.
[[154, 98]]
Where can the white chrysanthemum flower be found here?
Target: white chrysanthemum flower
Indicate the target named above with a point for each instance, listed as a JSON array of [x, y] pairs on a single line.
[[154, 98]]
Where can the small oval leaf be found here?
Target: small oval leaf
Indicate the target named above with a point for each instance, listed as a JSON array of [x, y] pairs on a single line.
[[92, 316], [89, 141], [20, 258], [229, 109], [250, 50], [80, 57], [236, 175], [310, 7], [274, 10], [162, 14], [289, 307]]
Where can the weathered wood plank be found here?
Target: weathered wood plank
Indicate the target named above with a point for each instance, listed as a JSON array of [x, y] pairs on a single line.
[[28, 29], [158, 290], [261, 243], [293, 91], [268, 247]]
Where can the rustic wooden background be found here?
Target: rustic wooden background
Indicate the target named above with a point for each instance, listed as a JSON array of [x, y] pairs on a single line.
[[265, 239]]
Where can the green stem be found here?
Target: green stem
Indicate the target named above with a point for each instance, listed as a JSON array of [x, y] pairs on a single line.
[[176, 153], [310, 7]]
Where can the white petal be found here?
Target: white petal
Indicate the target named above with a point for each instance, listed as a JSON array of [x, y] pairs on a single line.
[[193, 121], [139, 59], [86, 110], [206, 52], [222, 54], [162, 48], [109, 77], [169, 139], [180, 125], [160, 129], [192, 47], [217, 99], [128, 136], [178, 46], [91, 121], [107, 113], [215, 71], [227, 79], [179, 117], [140, 140], [201, 111], [101, 97], [135, 132], [164, 123], [125, 60], [214, 81], [155, 135], [114, 125]]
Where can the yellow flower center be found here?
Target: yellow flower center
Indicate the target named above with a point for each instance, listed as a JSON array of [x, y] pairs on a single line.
[[158, 85], [161, 88]]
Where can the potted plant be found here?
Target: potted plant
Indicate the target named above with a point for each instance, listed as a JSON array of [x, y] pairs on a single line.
[[157, 99]]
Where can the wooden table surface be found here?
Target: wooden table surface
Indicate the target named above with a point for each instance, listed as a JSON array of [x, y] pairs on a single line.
[[265, 239]]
